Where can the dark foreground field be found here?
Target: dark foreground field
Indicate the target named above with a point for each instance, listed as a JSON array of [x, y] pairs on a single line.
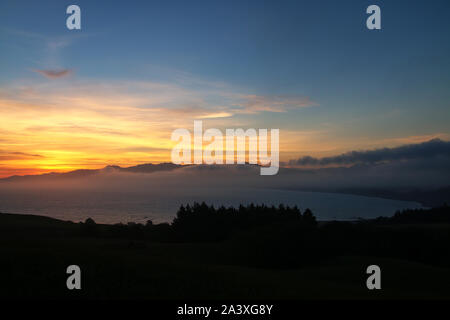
[[285, 259]]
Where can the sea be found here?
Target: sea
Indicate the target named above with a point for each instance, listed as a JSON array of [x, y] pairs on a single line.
[[162, 205]]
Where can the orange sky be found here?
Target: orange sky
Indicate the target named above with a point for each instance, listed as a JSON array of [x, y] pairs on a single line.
[[54, 127]]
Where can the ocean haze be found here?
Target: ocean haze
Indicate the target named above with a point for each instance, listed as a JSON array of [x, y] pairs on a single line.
[[113, 196], [395, 178]]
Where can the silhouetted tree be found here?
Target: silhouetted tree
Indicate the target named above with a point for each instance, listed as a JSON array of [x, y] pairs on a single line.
[[89, 221], [309, 218]]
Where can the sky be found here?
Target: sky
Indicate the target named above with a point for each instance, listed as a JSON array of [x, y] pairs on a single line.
[[112, 92]]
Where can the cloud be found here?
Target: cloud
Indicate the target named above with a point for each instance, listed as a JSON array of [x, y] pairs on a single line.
[[137, 97], [27, 154], [55, 128], [216, 115], [11, 156], [71, 121], [54, 74], [425, 150], [252, 104]]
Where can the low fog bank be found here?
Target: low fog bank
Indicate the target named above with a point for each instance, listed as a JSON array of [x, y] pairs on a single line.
[[110, 196], [423, 165], [366, 184], [432, 173]]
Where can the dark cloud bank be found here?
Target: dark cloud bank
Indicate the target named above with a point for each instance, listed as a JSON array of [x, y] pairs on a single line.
[[426, 150]]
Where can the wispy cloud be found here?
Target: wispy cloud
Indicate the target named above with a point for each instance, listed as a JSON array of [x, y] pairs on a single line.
[[45, 51], [117, 121], [146, 97], [54, 74], [15, 155], [255, 103]]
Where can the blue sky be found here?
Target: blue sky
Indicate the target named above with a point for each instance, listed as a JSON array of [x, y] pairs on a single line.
[[363, 88]]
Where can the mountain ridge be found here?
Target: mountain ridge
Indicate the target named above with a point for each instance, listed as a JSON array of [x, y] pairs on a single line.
[[141, 168]]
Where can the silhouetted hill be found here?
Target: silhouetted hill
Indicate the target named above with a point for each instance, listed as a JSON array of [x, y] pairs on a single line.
[[432, 197], [428, 197], [438, 215], [247, 252], [143, 168], [149, 167]]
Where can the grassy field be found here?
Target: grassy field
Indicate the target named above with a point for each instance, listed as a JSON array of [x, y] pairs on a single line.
[[35, 252]]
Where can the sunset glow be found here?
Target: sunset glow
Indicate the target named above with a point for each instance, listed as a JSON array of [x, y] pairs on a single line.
[[73, 99]]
